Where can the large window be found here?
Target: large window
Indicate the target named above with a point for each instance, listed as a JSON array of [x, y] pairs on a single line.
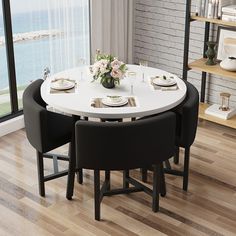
[[47, 33]]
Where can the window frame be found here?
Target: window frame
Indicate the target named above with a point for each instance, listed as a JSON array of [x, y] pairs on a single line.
[[7, 23]]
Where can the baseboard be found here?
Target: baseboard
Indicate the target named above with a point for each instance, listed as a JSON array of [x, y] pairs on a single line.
[[11, 125]]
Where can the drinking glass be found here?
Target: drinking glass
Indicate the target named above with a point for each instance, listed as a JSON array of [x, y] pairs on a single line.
[[46, 73], [131, 75], [81, 63], [143, 64]]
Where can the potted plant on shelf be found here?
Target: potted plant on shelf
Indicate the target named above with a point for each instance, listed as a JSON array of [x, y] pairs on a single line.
[[108, 69]]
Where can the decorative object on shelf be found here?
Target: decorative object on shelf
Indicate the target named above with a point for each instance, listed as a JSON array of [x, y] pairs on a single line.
[[200, 64], [211, 53], [226, 42], [108, 69], [224, 101], [229, 64], [222, 111], [214, 110]]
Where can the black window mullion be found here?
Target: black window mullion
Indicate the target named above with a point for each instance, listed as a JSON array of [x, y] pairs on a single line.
[[10, 54]]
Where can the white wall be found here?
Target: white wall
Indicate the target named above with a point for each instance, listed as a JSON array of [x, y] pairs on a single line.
[[159, 38]]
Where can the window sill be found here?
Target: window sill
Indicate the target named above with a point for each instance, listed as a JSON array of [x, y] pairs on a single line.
[[11, 125]]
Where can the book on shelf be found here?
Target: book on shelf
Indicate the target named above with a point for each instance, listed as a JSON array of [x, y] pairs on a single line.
[[219, 9], [214, 110], [231, 9], [206, 7], [214, 8], [198, 7], [201, 7], [210, 9], [228, 18], [222, 4], [229, 13]]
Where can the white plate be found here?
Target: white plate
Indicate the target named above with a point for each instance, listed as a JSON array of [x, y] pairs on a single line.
[[162, 82], [62, 84], [108, 102]]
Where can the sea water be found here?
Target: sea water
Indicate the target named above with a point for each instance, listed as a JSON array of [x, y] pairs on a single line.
[[32, 56]]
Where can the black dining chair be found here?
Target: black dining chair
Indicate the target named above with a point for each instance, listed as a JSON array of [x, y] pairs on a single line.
[[186, 127], [45, 131], [124, 146]]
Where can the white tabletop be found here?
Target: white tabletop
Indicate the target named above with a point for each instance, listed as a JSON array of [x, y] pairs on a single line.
[[149, 101]]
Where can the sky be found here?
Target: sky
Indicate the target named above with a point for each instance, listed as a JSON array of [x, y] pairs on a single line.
[[19, 6]]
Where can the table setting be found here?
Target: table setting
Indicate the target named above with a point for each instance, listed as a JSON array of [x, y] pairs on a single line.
[[114, 101], [163, 83], [112, 89], [63, 85]]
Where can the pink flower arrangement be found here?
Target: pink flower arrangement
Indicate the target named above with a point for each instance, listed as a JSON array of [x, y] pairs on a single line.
[[108, 69]]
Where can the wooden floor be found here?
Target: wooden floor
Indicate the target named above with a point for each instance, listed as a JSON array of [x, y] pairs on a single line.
[[209, 207]]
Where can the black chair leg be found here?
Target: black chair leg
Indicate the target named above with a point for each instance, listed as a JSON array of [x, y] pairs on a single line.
[[55, 164], [79, 172], [144, 173], [97, 194], [176, 157], [125, 176], [155, 195], [71, 171], [186, 168], [40, 174], [80, 178], [72, 164], [167, 164], [162, 181], [108, 179]]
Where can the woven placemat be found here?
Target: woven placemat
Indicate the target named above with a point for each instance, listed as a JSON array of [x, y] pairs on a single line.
[[157, 87], [55, 91], [97, 103]]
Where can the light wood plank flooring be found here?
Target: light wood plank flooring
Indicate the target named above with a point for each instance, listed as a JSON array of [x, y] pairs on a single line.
[[209, 207]]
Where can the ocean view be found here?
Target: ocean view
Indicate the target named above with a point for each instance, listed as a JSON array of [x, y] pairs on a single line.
[[56, 51]]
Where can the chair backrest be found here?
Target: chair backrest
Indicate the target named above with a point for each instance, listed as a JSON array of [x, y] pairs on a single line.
[[34, 113], [45, 130], [187, 117], [127, 145]]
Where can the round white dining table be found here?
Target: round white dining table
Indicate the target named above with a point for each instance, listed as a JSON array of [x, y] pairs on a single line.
[[148, 101]]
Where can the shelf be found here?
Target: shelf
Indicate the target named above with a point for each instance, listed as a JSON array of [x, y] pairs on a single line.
[[200, 65], [229, 123], [214, 21]]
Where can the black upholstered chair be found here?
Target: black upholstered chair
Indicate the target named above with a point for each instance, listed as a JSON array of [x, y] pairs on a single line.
[[45, 131], [124, 146], [186, 127]]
